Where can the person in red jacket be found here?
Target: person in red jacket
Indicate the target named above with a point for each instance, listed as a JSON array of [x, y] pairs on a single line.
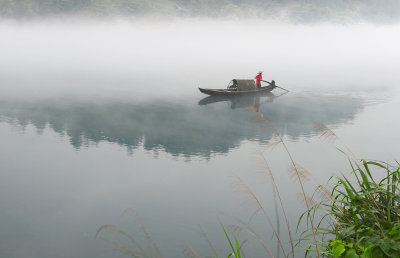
[[258, 79]]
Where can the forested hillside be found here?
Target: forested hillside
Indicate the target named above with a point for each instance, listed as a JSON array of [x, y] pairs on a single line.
[[293, 10]]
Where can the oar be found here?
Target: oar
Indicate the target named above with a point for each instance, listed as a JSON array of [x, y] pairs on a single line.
[[275, 85]]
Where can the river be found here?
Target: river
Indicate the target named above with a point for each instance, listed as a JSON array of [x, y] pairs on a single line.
[[98, 118]]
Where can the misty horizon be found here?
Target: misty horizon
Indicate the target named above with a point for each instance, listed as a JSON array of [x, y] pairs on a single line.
[[336, 11]]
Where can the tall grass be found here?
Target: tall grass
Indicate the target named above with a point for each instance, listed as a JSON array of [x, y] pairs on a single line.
[[298, 173], [362, 214], [359, 215]]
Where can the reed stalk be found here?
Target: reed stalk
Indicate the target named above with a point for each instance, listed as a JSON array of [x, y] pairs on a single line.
[[298, 174]]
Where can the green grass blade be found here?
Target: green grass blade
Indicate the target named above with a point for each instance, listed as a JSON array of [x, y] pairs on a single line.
[[237, 249], [229, 240]]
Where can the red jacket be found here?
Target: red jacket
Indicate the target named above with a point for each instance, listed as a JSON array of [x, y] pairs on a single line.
[[258, 78]]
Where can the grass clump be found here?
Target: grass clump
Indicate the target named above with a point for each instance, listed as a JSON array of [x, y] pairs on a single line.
[[361, 213]]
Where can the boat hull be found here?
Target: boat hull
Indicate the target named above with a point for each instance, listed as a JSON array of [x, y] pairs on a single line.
[[228, 92]]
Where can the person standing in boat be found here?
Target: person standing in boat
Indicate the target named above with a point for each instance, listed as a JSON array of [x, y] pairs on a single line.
[[258, 79]]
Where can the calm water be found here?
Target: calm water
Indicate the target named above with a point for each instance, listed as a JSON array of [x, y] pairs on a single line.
[[98, 119]]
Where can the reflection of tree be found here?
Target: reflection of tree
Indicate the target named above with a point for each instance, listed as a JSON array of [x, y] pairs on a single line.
[[179, 129], [295, 115]]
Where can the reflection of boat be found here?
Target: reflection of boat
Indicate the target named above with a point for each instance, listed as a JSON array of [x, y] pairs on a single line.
[[239, 87], [238, 100], [213, 99]]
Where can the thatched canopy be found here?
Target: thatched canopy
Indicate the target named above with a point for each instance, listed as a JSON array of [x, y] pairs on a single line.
[[242, 84]]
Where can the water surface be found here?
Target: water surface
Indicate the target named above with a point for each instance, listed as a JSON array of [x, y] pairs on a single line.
[[98, 119]]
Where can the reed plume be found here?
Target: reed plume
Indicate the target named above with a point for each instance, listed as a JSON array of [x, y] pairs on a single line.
[[119, 237], [327, 134], [190, 252]]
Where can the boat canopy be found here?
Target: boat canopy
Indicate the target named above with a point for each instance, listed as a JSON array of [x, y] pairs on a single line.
[[241, 84]]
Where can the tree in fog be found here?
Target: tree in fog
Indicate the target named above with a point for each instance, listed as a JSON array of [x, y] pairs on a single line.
[[293, 10]]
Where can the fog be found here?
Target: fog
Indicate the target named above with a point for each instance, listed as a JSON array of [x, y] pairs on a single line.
[[176, 57]]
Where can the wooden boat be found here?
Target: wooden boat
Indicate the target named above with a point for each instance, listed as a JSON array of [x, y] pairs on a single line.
[[235, 92], [239, 87]]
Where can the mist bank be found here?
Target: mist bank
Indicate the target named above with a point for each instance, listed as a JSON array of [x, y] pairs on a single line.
[[302, 11], [173, 59]]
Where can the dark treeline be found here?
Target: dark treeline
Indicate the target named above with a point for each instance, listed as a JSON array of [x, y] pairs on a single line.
[[293, 10]]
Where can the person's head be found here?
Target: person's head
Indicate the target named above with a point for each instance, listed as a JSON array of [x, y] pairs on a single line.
[[260, 72]]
